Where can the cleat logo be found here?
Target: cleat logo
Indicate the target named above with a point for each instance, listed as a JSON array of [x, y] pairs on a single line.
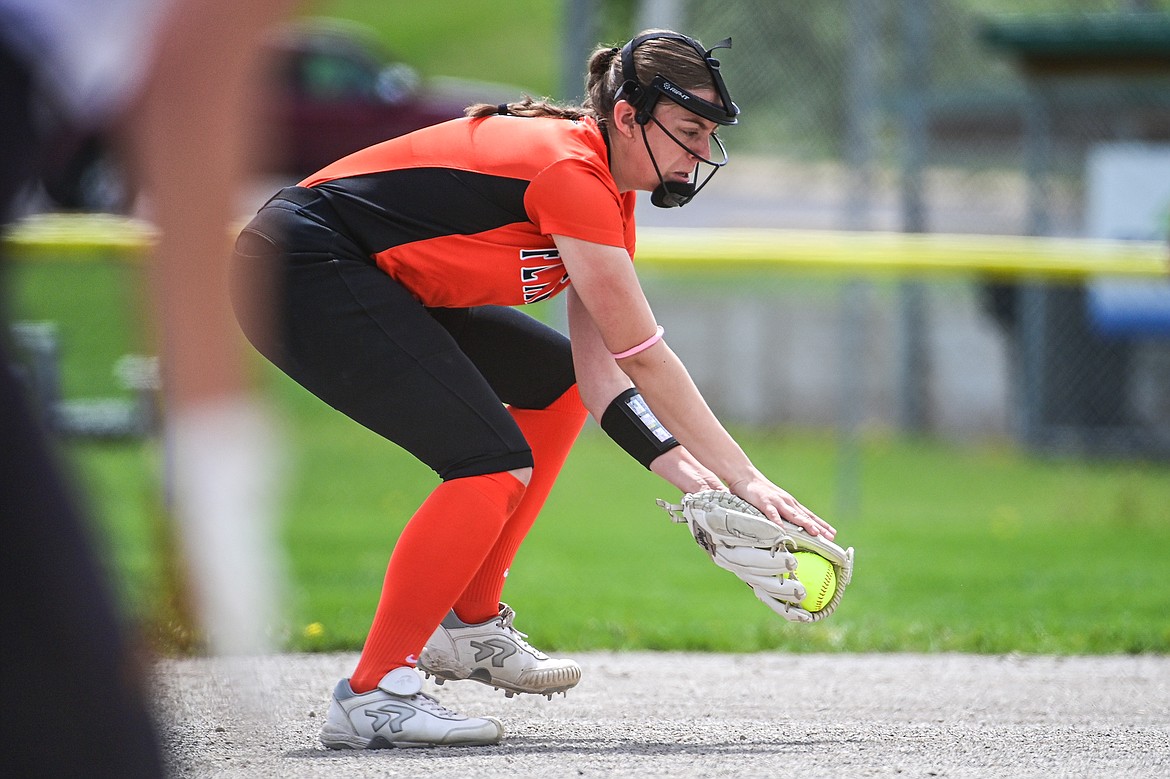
[[497, 649], [389, 715]]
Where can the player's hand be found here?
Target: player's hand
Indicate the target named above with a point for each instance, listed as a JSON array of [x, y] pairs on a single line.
[[777, 504], [680, 468]]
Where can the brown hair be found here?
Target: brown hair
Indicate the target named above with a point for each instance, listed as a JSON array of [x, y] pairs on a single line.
[[669, 57]]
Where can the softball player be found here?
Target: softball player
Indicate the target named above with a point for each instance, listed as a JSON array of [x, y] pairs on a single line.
[[399, 271]]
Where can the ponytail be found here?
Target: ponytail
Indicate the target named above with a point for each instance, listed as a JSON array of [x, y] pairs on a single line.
[[528, 107], [602, 79]]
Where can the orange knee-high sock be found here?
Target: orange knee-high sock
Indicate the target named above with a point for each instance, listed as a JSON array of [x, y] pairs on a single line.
[[550, 432], [439, 551]]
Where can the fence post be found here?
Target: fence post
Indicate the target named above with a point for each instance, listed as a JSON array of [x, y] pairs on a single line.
[[913, 368], [862, 117]]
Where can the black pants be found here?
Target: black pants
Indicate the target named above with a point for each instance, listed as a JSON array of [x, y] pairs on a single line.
[[70, 685], [431, 380]]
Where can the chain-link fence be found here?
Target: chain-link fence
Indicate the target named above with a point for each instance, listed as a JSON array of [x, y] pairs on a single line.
[[1032, 117], [939, 85]]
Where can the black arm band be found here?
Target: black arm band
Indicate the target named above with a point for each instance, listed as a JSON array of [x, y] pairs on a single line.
[[631, 423]]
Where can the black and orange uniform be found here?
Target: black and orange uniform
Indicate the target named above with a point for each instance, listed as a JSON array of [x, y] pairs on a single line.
[[457, 217], [398, 273], [461, 214]]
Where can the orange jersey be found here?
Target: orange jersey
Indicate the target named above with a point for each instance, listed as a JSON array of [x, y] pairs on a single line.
[[462, 213]]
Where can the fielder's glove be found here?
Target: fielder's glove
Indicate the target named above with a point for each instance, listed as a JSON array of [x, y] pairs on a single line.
[[739, 539]]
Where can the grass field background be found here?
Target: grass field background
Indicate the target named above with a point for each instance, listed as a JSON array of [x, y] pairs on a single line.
[[511, 43], [975, 547]]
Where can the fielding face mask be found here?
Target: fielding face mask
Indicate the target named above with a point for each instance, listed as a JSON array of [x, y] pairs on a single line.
[[644, 97]]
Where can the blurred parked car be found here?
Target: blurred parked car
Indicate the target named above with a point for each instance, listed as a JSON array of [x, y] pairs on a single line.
[[334, 90]]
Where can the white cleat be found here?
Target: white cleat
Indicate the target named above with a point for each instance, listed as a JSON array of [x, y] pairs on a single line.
[[398, 714], [496, 654]]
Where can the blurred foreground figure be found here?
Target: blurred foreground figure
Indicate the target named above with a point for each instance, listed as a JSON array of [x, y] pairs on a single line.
[[175, 75]]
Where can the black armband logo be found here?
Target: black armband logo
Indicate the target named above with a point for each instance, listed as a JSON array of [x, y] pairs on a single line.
[[633, 426]]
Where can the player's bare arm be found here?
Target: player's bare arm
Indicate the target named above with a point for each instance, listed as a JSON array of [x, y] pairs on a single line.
[[600, 380], [607, 288]]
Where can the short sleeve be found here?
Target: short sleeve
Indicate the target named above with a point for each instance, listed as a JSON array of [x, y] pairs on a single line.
[[573, 197]]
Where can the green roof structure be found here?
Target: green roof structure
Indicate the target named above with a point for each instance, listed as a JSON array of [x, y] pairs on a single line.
[[1100, 41]]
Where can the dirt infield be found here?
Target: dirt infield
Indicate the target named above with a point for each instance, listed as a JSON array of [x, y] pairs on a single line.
[[692, 715]]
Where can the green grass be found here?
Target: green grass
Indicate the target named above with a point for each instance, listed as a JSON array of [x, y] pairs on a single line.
[[96, 306], [959, 549], [975, 548], [511, 43]]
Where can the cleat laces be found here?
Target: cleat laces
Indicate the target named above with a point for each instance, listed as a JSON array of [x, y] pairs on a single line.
[[432, 705], [505, 622]]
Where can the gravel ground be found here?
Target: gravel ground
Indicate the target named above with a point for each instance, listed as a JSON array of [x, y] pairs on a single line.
[[701, 715]]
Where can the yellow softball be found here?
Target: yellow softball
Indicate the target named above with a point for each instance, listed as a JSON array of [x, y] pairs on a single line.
[[818, 577]]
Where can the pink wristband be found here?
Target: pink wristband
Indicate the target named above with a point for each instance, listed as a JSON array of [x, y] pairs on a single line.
[[642, 346]]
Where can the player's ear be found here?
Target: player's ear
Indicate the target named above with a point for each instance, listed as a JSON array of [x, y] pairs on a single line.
[[624, 117]]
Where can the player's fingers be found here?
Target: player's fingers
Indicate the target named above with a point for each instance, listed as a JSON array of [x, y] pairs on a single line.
[[790, 513], [813, 524], [801, 517], [806, 515], [777, 505], [827, 530]]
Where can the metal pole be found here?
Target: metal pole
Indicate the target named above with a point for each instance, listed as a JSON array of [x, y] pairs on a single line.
[[913, 369], [1033, 299], [861, 112], [579, 34], [861, 109], [663, 14]]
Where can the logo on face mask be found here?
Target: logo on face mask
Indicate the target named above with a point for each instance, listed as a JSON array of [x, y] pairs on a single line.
[[679, 94]]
